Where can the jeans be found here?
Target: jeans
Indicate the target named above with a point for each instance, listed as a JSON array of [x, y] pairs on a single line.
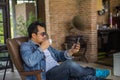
[[69, 69]]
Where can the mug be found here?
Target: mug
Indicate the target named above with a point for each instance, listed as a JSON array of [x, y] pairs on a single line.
[[50, 40]]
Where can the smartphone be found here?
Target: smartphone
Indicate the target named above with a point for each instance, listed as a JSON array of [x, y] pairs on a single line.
[[78, 40]]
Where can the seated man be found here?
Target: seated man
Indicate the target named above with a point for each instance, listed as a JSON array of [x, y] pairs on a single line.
[[38, 54]]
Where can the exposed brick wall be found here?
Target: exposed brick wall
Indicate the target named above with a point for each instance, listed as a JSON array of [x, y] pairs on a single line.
[[59, 15], [87, 13]]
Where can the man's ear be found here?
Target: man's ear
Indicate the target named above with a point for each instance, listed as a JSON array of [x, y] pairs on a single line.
[[33, 35]]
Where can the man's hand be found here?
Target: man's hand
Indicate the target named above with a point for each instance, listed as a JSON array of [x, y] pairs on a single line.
[[45, 44], [74, 49]]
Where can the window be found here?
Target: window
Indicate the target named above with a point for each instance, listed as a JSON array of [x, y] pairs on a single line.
[[1, 27], [4, 21], [4, 31]]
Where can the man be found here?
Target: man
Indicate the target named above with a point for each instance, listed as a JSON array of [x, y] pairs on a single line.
[[38, 54]]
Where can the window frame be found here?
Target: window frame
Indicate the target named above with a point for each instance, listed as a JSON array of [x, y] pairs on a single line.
[[6, 19]]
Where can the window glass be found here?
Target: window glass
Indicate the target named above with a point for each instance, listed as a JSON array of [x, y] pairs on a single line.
[[1, 28], [1, 34], [1, 16]]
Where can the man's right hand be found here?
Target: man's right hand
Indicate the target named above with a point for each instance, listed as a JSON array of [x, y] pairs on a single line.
[[45, 44]]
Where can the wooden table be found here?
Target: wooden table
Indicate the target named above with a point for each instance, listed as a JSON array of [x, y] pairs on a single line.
[[109, 39]]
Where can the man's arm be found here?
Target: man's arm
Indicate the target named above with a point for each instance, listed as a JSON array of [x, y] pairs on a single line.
[[29, 56], [74, 49]]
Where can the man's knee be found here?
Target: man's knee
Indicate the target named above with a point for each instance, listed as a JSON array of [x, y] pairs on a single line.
[[71, 63]]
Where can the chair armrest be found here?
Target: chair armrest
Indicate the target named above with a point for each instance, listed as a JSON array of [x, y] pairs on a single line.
[[27, 73], [34, 73]]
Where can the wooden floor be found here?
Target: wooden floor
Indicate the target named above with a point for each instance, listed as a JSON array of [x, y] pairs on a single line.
[[14, 75]]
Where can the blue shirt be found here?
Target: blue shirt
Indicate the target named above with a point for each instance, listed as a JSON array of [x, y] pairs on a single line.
[[50, 62], [34, 58]]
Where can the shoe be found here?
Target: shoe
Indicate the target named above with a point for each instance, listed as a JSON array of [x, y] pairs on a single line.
[[102, 73]]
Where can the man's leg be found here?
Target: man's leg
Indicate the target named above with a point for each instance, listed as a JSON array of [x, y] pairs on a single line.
[[70, 69]]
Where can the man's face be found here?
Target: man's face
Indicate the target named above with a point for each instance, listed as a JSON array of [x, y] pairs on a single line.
[[40, 36]]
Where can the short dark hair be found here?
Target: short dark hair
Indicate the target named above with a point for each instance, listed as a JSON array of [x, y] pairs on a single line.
[[33, 27]]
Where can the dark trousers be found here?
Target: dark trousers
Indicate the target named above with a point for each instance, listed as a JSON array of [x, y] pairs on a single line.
[[69, 70]]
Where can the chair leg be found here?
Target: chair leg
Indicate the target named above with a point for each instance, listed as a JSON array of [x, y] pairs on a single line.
[[5, 70], [11, 65], [38, 77]]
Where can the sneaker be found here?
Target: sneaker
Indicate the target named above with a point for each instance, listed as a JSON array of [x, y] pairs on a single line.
[[102, 73]]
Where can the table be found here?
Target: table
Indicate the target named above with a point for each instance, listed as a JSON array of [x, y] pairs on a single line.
[[108, 40]]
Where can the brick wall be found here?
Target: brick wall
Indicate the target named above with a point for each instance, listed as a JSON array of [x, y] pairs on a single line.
[[87, 13], [59, 15]]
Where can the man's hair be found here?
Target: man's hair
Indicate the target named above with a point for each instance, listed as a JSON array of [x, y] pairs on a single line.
[[33, 28]]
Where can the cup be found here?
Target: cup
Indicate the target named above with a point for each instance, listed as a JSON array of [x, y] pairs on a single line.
[[50, 40]]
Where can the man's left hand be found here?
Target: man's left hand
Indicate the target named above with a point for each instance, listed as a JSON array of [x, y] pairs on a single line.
[[74, 49]]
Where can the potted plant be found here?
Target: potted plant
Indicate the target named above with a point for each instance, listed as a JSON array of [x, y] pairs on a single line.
[[22, 25]]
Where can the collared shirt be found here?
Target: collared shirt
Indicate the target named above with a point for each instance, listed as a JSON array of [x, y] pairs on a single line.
[[50, 62]]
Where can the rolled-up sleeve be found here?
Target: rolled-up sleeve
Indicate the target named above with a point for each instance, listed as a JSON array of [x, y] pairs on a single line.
[[29, 56], [67, 56]]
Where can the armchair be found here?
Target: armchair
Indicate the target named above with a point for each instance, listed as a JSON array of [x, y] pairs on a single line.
[[13, 49]]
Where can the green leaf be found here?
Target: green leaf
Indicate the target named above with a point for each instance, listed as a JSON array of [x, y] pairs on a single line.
[[22, 25]]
